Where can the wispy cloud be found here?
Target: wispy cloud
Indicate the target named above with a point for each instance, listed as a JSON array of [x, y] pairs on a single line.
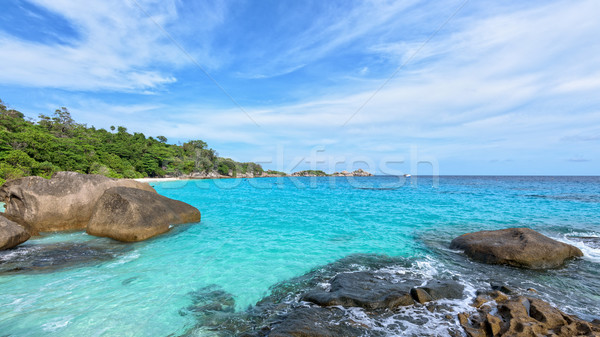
[[517, 80], [118, 49]]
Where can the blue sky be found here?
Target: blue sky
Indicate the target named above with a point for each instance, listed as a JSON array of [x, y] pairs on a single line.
[[503, 87]]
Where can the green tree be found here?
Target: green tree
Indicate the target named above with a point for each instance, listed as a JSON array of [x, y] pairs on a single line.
[[57, 143]]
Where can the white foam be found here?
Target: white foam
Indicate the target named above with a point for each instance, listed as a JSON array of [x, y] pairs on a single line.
[[18, 252], [589, 253], [126, 258], [57, 324], [325, 286], [425, 269], [413, 320]]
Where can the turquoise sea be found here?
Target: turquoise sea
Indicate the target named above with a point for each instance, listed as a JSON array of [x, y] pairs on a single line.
[[257, 233]]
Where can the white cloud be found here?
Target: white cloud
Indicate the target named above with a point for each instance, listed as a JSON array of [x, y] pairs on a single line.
[[119, 49], [489, 89], [511, 85]]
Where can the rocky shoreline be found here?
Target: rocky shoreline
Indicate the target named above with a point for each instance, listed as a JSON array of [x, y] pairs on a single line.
[[360, 295], [375, 295], [275, 174]]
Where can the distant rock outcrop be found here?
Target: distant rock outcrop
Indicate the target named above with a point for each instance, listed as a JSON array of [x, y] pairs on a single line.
[[64, 202], [355, 173], [519, 247], [131, 214], [11, 234]]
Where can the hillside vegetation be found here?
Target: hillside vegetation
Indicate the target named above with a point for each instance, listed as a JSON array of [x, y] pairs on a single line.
[[57, 143]]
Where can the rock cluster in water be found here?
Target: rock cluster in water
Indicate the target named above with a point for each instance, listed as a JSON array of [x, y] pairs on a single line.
[[379, 301], [378, 294], [519, 247], [502, 314], [324, 302], [122, 209], [370, 291], [343, 299]]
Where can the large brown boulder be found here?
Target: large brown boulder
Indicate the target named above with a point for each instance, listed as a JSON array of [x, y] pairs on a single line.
[[519, 247], [64, 202], [130, 214], [11, 234]]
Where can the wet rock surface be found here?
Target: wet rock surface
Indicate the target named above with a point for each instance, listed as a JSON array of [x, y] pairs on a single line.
[[11, 234], [43, 258], [500, 314], [366, 290], [352, 303], [439, 306], [381, 290], [518, 247], [317, 322]]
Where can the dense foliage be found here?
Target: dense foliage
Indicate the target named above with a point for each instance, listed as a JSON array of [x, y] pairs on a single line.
[[58, 143], [317, 173], [275, 173]]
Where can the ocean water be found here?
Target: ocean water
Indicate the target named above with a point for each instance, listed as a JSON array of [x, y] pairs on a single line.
[[257, 233]]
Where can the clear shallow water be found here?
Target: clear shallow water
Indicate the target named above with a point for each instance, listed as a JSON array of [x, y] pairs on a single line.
[[258, 232]]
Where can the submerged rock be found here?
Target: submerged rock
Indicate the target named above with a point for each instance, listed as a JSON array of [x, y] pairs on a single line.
[[131, 214], [209, 300], [50, 257], [64, 202], [11, 234], [520, 316], [519, 247]]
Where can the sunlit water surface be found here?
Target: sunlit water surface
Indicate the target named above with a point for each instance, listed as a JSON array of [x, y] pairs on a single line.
[[258, 232]]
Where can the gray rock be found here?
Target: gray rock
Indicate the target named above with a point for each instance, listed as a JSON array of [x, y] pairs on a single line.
[[131, 214], [444, 289], [319, 322], [364, 289], [519, 247], [64, 202], [11, 234], [420, 295], [501, 287]]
